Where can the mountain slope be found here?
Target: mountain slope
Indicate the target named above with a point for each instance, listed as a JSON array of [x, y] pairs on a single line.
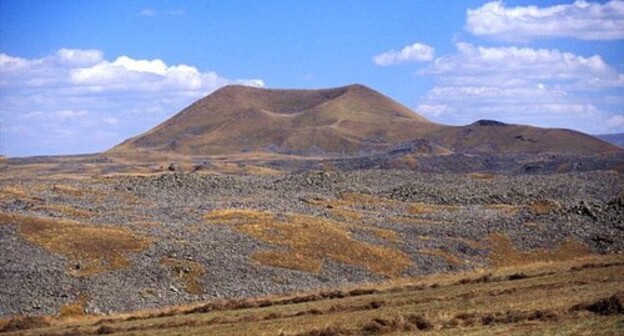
[[487, 136], [352, 119], [615, 138], [239, 118]]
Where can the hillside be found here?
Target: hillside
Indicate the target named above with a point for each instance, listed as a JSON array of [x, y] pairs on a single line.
[[615, 138], [348, 120], [238, 119], [488, 136]]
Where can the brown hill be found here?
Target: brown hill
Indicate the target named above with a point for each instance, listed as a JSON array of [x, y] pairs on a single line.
[[488, 136], [346, 120], [239, 118]]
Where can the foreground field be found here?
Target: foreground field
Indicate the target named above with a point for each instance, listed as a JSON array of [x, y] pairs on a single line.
[[577, 297]]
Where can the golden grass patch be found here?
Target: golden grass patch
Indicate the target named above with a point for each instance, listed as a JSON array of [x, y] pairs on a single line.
[[389, 235], [543, 207], [503, 253], [346, 215], [481, 176], [68, 190], [363, 199], [313, 238], [290, 260], [188, 272], [423, 208], [74, 309], [92, 249], [13, 191]]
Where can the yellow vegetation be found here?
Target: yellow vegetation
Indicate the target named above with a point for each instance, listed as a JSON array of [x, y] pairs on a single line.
[[363, 199], [507, 209], [422, 208], [389, 235], [503, 253], [296, 261], [74, 309], [12, 191], [346, 215], [92, 249], [68, 190], [482, 176], [313, 238], [188, 271], [543, 207]]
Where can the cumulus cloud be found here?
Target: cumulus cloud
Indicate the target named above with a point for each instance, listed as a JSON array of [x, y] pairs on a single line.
[[416, 52], [60, 102], [580, 20], [512, 66], [544, 87]]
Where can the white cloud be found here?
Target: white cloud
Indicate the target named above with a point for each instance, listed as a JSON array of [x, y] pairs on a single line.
[[513, 66], [55, 104], [543, 87], [148, 12], [79, 57], [581, 20], [416, 52]]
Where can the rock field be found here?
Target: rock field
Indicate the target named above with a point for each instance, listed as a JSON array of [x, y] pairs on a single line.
[[440, 222]]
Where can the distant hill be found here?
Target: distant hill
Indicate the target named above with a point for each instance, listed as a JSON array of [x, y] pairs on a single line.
[[305, 122], [347, 120], [488, 136], [616, 138]]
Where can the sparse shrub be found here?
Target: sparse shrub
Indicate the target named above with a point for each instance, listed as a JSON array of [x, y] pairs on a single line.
[[517, 276], [337, 294], [327, 331], [375, 304], [419, 321], [361, 291], [412, 322], [25, 322], [105, 330], [605, 306]]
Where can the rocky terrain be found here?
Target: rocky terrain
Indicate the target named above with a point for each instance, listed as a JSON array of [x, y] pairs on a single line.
[[108, 244], [252, 192]]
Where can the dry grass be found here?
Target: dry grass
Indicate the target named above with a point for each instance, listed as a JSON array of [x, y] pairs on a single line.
[[92, 249], [481, 176], [347, 215], [74, 309], [543, 207], [290, 260], [572, 297], [313, 238], [504, 254], [350, 199], [389, 235], [188, 272], [422, 208], [13, 191], [68, 190]]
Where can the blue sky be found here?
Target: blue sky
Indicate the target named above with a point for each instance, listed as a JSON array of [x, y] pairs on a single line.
[[81, 76]]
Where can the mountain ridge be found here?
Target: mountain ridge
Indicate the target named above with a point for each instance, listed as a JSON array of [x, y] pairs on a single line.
[[347, 120]]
